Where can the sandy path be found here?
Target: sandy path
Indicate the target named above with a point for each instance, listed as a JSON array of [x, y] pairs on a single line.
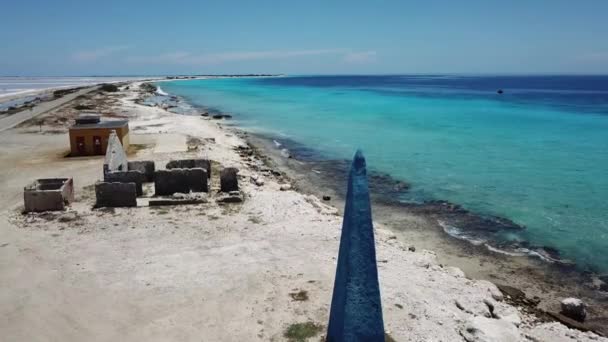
[[207, 272]]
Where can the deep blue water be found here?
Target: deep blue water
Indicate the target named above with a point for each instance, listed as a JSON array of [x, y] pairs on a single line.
[[536, 154]]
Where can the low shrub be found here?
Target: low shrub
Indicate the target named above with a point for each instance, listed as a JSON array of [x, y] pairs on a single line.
[[107, 87]]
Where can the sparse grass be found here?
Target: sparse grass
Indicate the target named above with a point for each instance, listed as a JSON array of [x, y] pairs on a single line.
[[87, 192], [108, 210], [399, 306], [68, 218], [299, 296], [134, 148], [213, 217], [193, 140], [300, 332], [216, 167], [148, 87], [254, 219], [54, 131], [187, 208], [47, 215], [62, 92], [159, 210], [83, 107], [107, 87], [228, 210]]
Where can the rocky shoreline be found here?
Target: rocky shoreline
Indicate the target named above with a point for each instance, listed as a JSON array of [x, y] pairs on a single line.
[[312, 174]]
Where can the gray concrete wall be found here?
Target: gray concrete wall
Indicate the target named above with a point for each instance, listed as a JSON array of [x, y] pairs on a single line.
[[229, 180], [168, 182], [43, 200], [115, 194], [136, 177], [191, 164], [48, 194], [145, 166]]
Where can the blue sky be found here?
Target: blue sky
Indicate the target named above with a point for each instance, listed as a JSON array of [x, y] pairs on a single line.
[[62, 37]]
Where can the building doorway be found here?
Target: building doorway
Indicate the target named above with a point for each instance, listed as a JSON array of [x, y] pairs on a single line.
[[80, 146], [97, 145]]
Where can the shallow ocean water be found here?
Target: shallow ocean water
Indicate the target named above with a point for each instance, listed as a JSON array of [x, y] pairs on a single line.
[[536, 154]]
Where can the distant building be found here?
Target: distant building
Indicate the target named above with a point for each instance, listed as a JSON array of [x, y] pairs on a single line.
[[89, 135]]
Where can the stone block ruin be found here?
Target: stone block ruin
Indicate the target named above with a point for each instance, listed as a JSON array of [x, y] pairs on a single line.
[[183, 176], [229, 186], [168, 182], [136, 177], [115, 194], [122, 180], [48, 194], [228, 179], [144, 166], [191, 164]]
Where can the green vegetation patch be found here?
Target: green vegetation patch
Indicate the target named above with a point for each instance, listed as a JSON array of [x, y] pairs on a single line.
[[300, 332], [83, 107], [148, 87], [299, 296], [107, 87]]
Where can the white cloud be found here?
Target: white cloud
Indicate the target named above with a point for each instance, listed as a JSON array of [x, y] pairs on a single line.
[[187, 58], [181, 57], [94, 55], [360, 57]]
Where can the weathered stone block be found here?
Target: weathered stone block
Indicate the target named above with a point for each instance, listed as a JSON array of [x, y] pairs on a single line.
[[574, 308], [229, 180], [168, 182], [115, 194], [191, 164], [146, 167], [157, 203], [231, 197], [136, 177], [48, 194]]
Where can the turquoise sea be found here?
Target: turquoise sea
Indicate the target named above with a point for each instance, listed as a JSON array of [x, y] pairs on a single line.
[[537, 154]]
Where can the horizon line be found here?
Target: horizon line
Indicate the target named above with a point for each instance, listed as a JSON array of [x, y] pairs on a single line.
[[320, 74]]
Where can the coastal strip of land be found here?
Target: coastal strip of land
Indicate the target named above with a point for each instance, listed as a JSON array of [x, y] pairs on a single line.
[[13, 120], [257, 270]]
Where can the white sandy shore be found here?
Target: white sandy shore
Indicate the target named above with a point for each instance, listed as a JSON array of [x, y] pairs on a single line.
[[210, 272]]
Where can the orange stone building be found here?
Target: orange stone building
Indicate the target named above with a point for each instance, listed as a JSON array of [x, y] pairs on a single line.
[[89, 135]]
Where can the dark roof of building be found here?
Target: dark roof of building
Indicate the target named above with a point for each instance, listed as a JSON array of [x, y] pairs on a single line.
[[102, 124], [88, 118]]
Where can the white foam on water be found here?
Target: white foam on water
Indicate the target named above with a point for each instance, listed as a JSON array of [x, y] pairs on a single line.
[[285, 152], [518, 252], [160, 91], [459, 234], [523, 251]]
